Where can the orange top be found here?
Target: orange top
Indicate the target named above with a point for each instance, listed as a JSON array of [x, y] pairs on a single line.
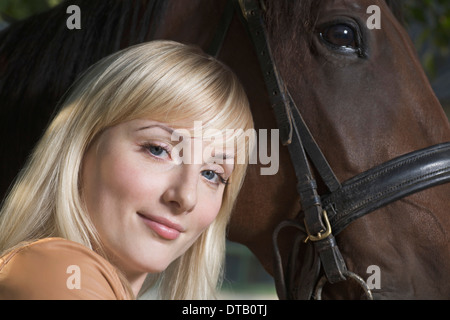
[[58, 269]]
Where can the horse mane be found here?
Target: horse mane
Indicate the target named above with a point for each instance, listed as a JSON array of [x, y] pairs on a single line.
[[397, 10], [48, 44], [40, 58]]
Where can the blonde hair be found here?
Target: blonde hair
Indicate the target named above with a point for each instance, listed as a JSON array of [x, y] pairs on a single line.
[[161, 80]]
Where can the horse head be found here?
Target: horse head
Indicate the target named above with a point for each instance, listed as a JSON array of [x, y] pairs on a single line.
[[366, 99]]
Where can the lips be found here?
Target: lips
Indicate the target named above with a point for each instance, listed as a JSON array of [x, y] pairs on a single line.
[[162, 227]]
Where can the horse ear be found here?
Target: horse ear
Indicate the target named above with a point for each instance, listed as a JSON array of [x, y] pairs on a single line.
[[397, 10]]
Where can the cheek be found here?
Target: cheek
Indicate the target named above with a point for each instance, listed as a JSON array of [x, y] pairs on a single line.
[[113, 183], [122, 178], [208, 211]]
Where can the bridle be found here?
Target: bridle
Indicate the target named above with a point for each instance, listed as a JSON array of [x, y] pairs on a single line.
[[324, 216]]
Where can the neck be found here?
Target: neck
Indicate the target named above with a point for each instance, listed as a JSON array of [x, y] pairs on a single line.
[[136, 281]]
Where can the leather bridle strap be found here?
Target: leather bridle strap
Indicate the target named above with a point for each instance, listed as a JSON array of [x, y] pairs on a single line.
[[295, 134], [286, 113], [387, 183], [224, 24]]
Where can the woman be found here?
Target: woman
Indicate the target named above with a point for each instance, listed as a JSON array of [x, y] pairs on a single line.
[[108, 198]]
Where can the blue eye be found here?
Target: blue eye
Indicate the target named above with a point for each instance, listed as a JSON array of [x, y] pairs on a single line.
[[209, 174], [213, 176], [156, 150]]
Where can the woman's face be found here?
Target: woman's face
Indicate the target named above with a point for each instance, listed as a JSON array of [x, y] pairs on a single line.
[[148, 206]]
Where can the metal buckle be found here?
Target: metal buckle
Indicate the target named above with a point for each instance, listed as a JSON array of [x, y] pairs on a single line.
[[354, 276], [243, 9], [322, 234]]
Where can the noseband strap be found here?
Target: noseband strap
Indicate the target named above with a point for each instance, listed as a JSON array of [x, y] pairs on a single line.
[[386, 183]]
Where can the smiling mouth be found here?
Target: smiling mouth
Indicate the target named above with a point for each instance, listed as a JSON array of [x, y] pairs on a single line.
[[162, 227]]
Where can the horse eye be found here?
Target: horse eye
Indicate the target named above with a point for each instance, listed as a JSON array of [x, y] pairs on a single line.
[[340, 35]]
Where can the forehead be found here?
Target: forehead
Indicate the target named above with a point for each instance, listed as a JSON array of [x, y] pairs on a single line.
[[188, 129]]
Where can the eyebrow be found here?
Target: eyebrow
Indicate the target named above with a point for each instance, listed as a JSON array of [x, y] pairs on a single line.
[[169, 130]]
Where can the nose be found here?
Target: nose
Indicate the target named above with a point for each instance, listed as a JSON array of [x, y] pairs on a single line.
[[181, 194]]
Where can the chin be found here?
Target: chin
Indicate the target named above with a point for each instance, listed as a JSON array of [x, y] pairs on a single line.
[[149, 262]]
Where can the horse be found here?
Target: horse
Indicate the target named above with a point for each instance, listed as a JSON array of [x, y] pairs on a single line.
[[361, 92]]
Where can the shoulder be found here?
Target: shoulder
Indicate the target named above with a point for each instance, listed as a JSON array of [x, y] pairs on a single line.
[[56, 268]]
